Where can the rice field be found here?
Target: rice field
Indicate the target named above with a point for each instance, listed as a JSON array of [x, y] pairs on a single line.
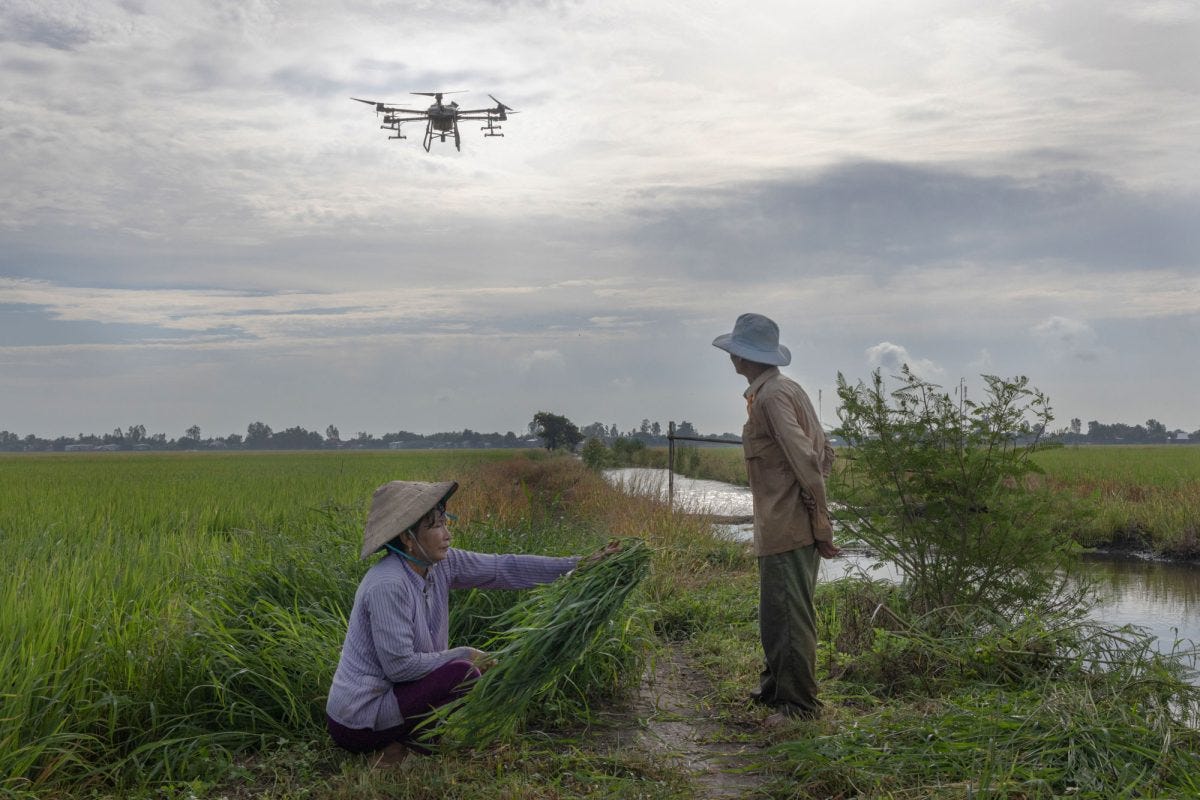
[[1140, 496], [169, 624], [161, 613]]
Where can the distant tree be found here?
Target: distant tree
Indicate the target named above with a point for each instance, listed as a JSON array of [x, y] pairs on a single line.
[[613, 432], [555, 431], [332, 433], [1076, 426], [685, 429], [626, 450], [1156, 431], [258, 435], [193, 433], [297, 438], [234, 440], [656, 429], [645, 427], [597, 430]]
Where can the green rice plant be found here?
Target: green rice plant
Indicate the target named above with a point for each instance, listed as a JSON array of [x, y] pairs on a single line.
[[1146, 497], [560, 635], [160, 611]]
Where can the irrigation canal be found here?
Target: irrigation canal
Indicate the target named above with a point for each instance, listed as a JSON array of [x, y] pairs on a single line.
[[1162, 597]]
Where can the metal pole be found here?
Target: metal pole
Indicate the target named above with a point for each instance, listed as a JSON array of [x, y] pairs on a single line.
[[670, 465]]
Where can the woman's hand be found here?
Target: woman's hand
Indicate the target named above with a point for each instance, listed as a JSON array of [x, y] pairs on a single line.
[[481, 660], [613, 546]]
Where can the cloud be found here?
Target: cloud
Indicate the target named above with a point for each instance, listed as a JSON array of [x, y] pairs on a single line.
[[891, 357], [541, 359], [983, 363], [883, 215], [1065, 337]]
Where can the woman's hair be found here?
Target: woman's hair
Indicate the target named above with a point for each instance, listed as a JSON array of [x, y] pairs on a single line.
[[428, 517]]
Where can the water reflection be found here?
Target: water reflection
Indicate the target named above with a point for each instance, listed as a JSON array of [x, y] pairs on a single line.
[[1162, 597]]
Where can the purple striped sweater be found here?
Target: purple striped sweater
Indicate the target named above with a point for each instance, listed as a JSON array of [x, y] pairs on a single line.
[[399, 626]]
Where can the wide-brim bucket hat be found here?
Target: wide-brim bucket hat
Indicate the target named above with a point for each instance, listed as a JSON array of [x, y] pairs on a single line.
[[397, 506], [755, 338]]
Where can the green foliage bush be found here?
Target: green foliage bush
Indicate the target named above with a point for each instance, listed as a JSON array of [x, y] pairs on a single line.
[[939, 486]]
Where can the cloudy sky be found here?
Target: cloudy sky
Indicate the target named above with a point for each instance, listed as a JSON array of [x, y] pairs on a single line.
[[198, 226]]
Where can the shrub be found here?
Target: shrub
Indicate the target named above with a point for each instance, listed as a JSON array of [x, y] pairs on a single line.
[[938, 486]]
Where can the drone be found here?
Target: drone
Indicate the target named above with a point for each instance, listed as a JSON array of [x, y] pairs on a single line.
[[441, 120]]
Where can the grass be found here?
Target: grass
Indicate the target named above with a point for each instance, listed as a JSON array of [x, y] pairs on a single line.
[[574, 634], [169, 625], [164, 618], [1145, 497]]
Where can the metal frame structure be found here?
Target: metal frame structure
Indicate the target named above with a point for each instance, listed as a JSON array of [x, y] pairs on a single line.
[[671, 439]]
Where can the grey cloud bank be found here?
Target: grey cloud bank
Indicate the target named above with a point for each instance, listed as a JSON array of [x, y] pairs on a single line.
[[199, 227]]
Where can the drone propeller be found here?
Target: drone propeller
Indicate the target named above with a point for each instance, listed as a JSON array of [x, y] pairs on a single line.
[[435, 94], [501, 105], [378, 106]]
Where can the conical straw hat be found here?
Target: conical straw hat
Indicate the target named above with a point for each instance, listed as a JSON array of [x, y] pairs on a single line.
[[397, 506]]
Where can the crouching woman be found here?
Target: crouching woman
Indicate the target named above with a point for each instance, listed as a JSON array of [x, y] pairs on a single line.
[[397, 665]]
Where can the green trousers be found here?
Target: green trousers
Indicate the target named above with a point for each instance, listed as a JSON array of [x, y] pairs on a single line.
[[787, 624]]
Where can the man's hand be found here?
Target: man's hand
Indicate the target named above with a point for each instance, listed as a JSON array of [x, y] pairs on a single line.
[[828, 550]]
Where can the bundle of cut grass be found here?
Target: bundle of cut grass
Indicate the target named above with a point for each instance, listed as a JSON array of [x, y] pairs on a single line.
[[543, 637]]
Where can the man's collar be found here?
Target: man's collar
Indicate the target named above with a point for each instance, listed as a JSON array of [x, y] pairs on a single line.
[[753, 388]]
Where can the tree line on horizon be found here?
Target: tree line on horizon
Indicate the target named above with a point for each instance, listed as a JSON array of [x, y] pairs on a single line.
[[546, 429]]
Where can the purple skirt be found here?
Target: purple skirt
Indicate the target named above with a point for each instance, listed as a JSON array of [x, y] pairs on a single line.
[[417, 699]]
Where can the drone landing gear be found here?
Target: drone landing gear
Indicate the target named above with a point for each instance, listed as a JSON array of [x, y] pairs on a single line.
[[491, 130]]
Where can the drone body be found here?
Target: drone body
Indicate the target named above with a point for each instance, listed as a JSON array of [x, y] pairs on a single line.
[[441, 120]]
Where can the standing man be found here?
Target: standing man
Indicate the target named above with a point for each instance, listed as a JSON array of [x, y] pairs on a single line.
[[787, 459]]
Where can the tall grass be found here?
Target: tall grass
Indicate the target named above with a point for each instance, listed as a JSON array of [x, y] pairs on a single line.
[[1037, 706], [162, 614], [574, 634], [1144, 496]]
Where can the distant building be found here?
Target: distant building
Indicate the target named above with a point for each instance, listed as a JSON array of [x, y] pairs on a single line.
[[77, 448], [1179, 437]]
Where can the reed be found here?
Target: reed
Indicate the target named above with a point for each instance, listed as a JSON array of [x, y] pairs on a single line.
[[554, 640]]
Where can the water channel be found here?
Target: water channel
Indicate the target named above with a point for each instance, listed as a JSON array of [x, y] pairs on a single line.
[[1161, 597]]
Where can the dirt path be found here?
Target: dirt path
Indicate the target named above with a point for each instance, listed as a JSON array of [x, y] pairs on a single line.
[[675, 722]]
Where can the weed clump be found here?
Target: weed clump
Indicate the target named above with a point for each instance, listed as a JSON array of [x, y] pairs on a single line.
[[565, 634]]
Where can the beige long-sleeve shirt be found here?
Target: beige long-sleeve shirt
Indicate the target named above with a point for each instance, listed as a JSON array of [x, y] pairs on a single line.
[[787, 455]]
